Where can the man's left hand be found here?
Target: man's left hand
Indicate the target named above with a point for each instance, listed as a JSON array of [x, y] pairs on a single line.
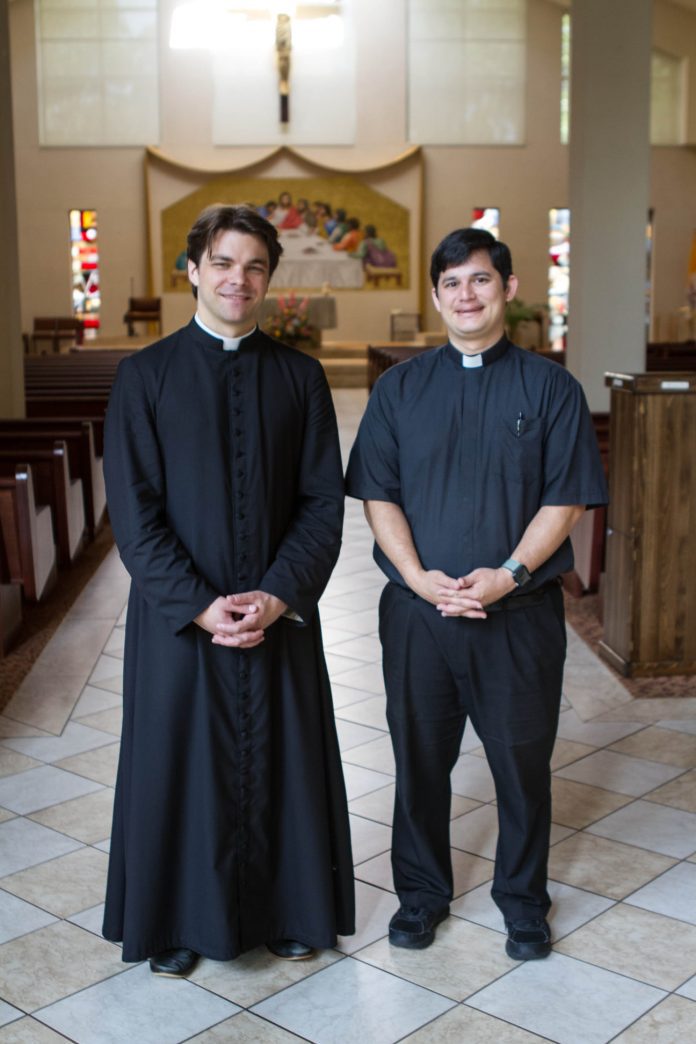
[[484, 585], [257, 610]]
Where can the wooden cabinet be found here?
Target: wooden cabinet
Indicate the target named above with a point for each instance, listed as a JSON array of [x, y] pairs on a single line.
[[650, 592]]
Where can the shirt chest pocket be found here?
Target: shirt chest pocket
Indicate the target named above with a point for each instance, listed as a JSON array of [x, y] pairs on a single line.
[[517, 454]]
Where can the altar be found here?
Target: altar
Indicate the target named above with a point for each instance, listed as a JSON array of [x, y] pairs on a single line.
[[308, 261]]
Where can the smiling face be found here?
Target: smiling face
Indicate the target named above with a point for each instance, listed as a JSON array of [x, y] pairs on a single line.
[[232, 281], [471, 300]]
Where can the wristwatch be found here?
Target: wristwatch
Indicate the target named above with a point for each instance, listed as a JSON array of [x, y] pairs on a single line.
[[520, 573]]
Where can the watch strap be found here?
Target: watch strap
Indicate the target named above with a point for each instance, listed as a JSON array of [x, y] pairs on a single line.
[[520, 573]]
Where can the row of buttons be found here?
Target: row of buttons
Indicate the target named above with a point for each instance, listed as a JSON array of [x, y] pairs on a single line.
[[241, 560]]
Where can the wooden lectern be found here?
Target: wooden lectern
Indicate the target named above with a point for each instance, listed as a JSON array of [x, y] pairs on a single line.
[[650, 599]]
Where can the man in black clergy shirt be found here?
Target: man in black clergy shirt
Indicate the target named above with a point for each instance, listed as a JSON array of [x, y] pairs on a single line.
[[474, 461], [225, 495]]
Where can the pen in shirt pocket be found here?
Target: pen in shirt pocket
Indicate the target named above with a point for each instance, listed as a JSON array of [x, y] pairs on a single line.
[[520, 421]]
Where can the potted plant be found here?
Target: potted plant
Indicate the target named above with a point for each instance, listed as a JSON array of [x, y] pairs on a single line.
[[526, 324]]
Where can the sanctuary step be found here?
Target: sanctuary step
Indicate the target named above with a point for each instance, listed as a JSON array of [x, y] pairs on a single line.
[[345, 363], [346, 373]]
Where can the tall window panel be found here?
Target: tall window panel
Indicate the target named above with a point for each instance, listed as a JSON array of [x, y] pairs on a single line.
[[565, 79], [666, 99], [97, 69], [466, 72]]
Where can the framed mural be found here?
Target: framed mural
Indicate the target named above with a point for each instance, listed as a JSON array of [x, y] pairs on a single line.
[[337, 232], [355, 235]]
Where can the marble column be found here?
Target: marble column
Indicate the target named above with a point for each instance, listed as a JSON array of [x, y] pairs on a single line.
[[609, 189]]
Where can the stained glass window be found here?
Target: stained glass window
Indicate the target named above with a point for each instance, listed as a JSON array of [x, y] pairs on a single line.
[[559, 271], [84, 256], [649, 228], [488, 218]]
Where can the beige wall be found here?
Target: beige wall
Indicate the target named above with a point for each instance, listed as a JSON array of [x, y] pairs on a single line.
[[11, 360], [523, 181]]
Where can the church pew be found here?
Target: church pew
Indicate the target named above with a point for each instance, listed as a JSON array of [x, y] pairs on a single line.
[[51, 404], [54, 486], [10, 603], [84, 462], [26, 531], [589, 534], [65, 384], [380, 357], [671, 357], [97, 424], [51, 330]]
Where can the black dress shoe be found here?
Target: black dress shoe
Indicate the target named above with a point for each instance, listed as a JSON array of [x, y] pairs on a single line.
[[413, 927], [528, 940], [290, 949], [174, 963]]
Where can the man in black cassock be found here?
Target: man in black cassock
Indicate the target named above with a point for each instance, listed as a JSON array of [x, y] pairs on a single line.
[[474, 461], [225, 494]]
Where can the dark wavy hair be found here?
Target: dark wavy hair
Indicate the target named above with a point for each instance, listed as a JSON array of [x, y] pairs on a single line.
[[458, 246], [223, 217]]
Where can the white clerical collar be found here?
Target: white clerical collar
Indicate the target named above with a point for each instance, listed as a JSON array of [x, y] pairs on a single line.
[[229, 344], [470, 362]]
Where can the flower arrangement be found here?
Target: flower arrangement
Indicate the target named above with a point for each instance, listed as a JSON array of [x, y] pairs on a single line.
[[290, 323]]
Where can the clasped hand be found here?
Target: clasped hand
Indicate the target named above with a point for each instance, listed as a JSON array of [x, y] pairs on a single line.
[[240, 620], [465, 595]]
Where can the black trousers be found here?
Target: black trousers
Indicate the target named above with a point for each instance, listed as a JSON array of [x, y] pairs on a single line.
[[505, 673]]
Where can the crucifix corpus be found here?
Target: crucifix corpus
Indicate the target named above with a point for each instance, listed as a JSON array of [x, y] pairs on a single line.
[[283, 52]]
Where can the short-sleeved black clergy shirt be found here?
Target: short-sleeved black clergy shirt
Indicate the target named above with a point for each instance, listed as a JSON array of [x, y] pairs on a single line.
[[471, 454]]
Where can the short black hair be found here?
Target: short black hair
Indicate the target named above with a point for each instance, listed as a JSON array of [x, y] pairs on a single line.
[[224, 217], [458, 246]]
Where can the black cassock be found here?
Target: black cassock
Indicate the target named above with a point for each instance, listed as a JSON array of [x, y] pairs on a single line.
[[230, 828]]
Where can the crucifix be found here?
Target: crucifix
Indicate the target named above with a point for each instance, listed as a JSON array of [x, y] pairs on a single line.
[[283, 52]]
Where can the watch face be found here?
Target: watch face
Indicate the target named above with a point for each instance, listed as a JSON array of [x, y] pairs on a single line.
[[521, 575]]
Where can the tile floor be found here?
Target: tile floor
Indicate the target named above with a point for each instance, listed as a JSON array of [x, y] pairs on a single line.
[[623, 864]]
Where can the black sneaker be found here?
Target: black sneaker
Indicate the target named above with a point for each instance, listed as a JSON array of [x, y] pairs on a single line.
[[528, 940], [413, 927]]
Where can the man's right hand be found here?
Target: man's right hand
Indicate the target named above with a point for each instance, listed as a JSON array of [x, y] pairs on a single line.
[[228, 622], [437, 587]]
